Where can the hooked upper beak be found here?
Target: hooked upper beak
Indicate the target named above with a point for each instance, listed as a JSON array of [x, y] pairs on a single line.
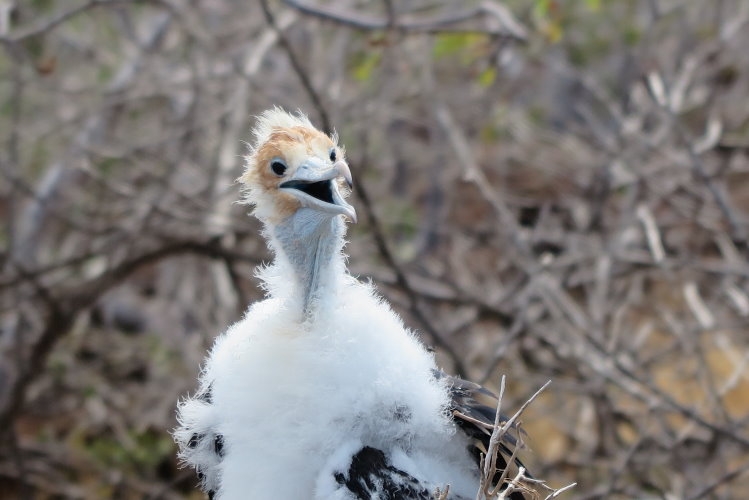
[[345, 172], [314, 185]]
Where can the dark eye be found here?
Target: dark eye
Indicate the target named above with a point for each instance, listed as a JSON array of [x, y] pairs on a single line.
[[278, 167], [332, 154]]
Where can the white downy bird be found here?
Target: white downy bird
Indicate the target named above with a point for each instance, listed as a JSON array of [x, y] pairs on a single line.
[[320, 392]]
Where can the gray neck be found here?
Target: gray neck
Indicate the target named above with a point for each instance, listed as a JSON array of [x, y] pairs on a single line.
[[311, 243]]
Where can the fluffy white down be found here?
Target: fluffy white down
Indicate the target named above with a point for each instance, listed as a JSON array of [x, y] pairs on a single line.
[[289, 399]]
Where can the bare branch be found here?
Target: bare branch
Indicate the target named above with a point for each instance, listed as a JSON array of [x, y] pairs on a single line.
[[510, 28]]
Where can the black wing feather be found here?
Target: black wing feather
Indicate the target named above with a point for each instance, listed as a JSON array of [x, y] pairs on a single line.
[[370, 476]]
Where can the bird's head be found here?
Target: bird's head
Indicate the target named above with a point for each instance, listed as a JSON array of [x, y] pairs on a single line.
[[291, 166]]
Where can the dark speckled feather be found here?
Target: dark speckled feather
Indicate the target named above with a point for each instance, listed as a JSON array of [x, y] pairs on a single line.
[[371, 476]]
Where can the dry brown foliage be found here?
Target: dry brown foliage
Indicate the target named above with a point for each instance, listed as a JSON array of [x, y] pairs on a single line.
[[547, 190]]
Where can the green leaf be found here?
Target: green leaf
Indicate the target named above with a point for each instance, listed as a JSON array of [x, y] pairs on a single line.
[[363, 69], [42, 5], [448, 44], [541, 8], [553, 31], [594, 5], [632, 35], [487, 77]]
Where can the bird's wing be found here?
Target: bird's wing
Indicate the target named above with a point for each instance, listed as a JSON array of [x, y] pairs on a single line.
[[370, 475], [200, 445], [473, 409]]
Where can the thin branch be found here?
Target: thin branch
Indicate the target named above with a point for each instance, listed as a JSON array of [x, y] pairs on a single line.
[[44, 26], [402, 280], [487, 487], [301, 73], [63, 306], [723, 480], [661, 95], [511, 28], [496, 436]]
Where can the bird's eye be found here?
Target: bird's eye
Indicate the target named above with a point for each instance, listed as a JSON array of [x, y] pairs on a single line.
[[278, 167], [332, 154]]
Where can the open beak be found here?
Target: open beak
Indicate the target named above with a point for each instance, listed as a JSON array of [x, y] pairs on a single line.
[[314, 185]]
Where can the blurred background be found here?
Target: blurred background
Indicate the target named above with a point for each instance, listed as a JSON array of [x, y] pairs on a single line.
[[547, 189]]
